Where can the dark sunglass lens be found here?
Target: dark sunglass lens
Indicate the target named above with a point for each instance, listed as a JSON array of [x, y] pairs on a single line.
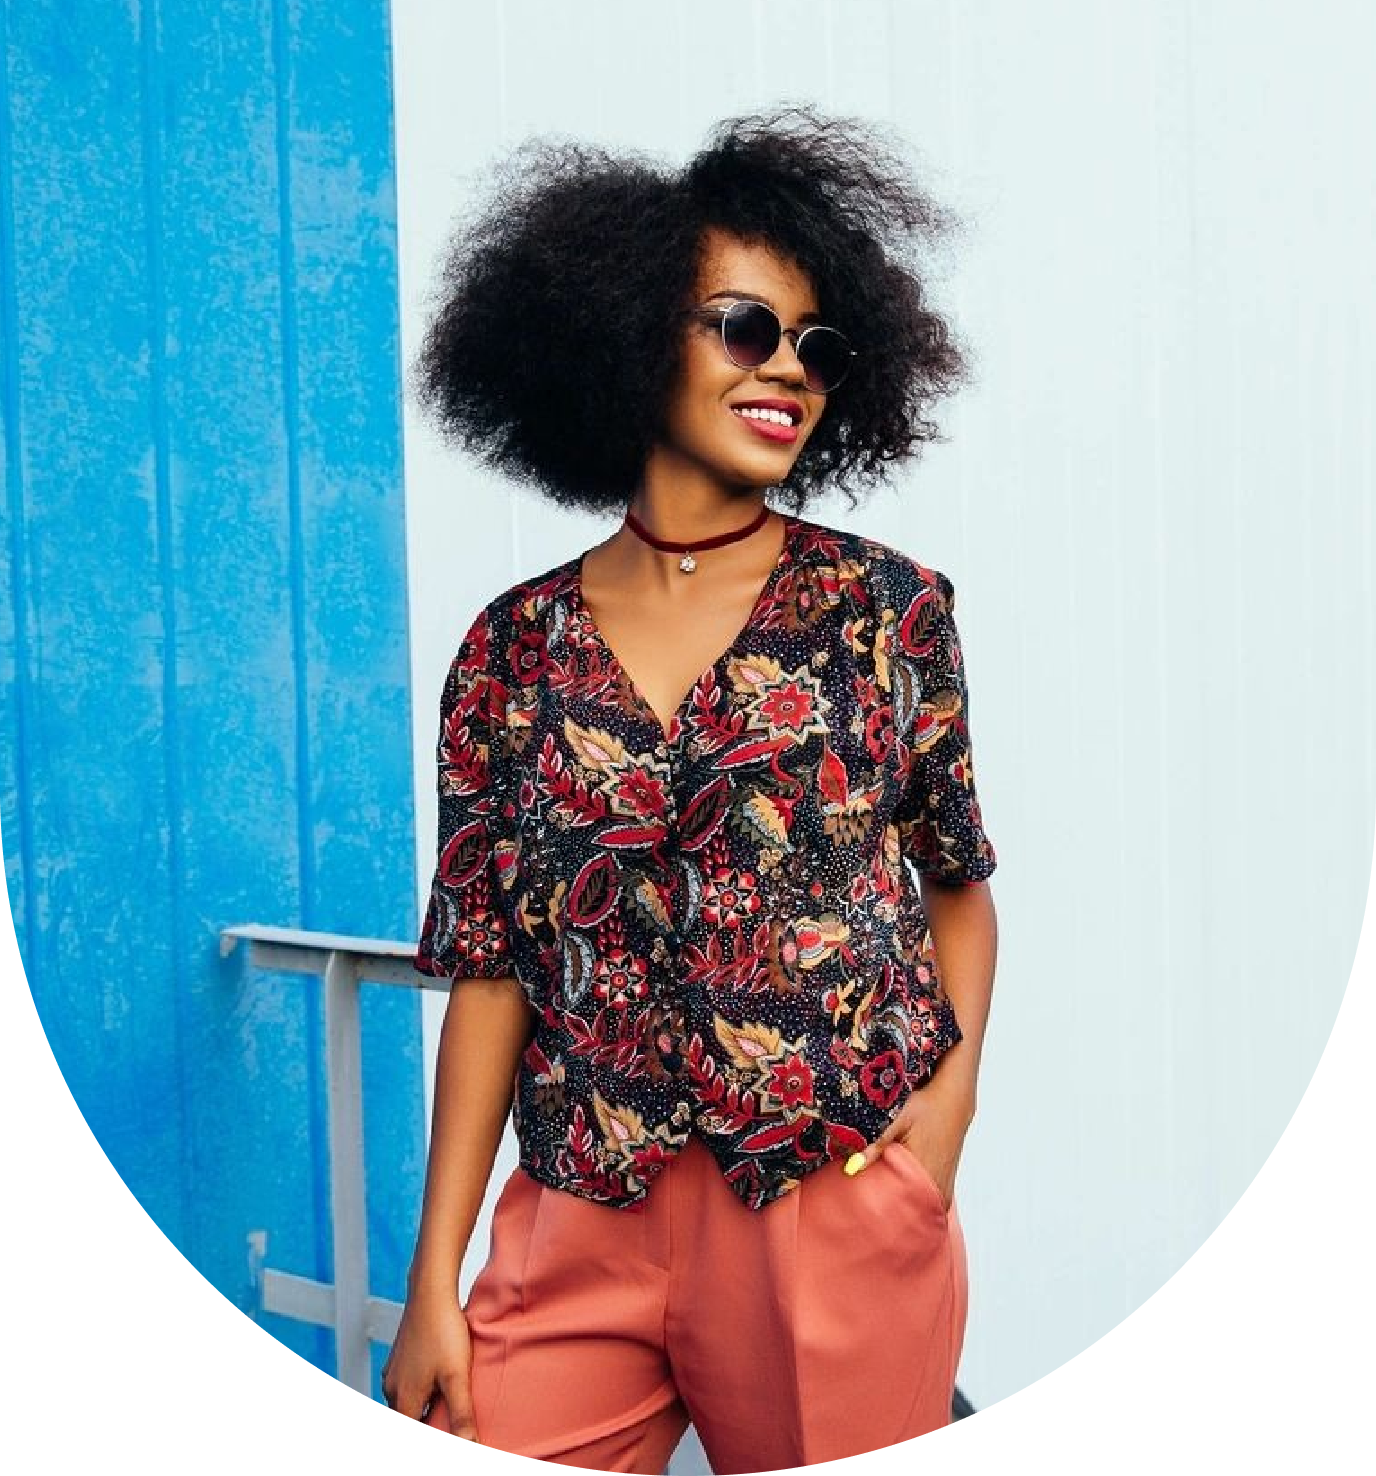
[[825, 356], [751, 332]]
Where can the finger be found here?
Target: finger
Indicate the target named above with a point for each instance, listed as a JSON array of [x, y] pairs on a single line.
[[863, 1157], [410, 1402], [458, 1400]]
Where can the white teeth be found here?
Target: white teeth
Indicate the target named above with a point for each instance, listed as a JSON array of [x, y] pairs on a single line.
[[777, 417]]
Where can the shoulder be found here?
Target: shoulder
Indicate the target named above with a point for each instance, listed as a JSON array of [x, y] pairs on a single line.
[[495, 653], [525, 606], [891, 579]]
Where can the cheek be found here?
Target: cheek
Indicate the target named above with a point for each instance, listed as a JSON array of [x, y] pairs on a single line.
[[704, 374], [690, 419], [697, 408]]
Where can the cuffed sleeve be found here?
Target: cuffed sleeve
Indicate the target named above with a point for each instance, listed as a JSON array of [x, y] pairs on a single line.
[[941, 829], [464, 932]]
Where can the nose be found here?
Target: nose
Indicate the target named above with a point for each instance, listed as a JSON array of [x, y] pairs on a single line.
[[784, 364]]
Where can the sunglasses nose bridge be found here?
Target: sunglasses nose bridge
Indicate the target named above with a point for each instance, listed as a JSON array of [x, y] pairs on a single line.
[[788, 340]]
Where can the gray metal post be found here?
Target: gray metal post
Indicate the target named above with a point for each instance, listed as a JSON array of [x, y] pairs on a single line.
[[348, 1207]]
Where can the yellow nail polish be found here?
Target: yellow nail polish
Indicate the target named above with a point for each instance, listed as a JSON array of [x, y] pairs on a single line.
[[854, 1163]]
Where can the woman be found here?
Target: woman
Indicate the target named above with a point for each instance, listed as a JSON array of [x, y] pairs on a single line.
[[680, 779]]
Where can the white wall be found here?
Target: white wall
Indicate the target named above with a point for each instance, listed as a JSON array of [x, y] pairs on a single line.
[[1156, 509]]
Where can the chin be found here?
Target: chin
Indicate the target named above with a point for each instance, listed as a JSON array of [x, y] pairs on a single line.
[[743, 488]]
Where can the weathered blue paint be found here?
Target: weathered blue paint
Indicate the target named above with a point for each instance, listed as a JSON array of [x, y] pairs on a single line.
[[14, 596], [206, 676]]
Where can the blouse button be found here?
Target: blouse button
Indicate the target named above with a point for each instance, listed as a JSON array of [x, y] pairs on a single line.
[[661, 750]]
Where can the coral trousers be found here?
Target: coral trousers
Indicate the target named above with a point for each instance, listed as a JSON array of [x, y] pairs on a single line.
[[827, 1323]]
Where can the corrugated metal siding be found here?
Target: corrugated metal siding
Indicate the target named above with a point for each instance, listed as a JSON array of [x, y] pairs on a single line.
[[1155, 507], [209, 699]]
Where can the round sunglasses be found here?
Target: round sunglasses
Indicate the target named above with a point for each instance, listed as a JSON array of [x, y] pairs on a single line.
[[750, 334]]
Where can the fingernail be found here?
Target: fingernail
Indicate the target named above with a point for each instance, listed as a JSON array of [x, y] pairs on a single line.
[[854, 1163]]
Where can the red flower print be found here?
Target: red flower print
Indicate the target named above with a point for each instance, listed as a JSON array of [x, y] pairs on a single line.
[[479, 935], [731, 898], [639, 793], [791, 1081], [882, 1078], [618, 977], [527, 658], [787, 707]]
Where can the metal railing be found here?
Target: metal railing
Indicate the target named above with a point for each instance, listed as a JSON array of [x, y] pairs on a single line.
[[357, 1318]]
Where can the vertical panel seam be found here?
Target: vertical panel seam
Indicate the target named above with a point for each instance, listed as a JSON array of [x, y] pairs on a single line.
[[150, 78], [291, 400]]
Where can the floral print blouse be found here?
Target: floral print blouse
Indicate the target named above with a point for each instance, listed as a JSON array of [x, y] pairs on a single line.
[[714, 925]]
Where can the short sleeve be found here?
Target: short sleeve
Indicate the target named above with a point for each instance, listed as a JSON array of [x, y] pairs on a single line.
[[464, 932], [941, 828]]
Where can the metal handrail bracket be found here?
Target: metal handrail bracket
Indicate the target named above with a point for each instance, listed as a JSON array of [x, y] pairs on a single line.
[[344, 963]]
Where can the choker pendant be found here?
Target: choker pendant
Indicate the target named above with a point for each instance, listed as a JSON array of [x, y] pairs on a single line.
[[689, 561]]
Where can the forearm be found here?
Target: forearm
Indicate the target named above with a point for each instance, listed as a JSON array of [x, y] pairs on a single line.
[[486, 1027], [965, 936]]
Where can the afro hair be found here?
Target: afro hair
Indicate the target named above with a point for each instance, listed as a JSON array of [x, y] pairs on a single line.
[[553, 343]]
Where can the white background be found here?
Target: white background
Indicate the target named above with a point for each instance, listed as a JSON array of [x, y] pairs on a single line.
[[1155, 505]]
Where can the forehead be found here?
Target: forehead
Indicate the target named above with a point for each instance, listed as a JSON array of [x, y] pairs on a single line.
[[730, 262]]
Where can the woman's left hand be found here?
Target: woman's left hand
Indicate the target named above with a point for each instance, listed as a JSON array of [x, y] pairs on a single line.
[[931, 1126]]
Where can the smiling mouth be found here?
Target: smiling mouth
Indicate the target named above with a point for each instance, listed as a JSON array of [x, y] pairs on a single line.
[[772, 425]]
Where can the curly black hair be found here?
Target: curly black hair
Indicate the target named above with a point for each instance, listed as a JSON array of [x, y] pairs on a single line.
[[554, 344]]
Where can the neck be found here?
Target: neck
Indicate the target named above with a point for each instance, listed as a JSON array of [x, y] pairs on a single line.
[[624, 560], [682, 498], [685, 531]]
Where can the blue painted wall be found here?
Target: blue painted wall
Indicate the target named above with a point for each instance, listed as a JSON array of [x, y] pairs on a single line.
[[205, 682]]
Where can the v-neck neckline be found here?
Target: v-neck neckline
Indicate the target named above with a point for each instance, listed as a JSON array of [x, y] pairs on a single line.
[[667, 730]]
